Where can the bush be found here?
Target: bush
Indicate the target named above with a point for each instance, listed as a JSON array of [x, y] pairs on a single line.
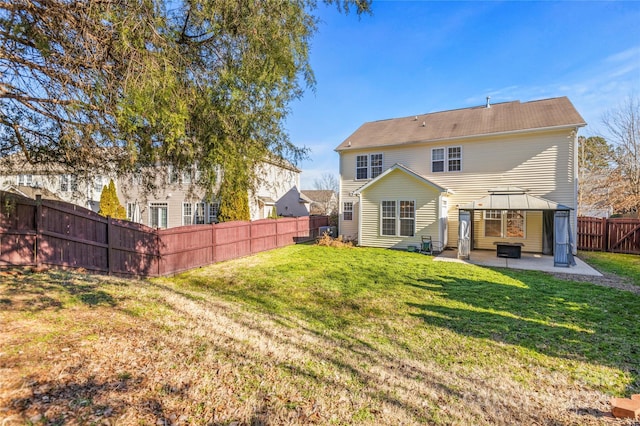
[[327, 240]]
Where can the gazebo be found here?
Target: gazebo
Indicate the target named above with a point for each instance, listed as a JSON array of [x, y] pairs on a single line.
[[556, 230]]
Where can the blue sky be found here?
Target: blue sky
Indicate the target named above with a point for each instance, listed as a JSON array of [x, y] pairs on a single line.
[[417, 57]]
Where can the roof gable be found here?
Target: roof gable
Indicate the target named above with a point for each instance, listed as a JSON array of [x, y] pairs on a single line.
[[468, 122], [405, 170]]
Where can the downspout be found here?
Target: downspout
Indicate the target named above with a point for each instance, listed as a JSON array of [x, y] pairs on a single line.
[[359, 218]]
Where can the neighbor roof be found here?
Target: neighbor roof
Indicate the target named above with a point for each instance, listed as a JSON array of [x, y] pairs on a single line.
[[460, 123]]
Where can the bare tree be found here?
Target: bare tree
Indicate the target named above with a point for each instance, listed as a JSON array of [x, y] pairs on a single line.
[[623, 126], [325, 196], [327, 181], [594, 171]]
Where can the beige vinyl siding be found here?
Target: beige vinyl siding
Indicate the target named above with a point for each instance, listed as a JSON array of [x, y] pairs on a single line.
[[541, 162], [398, 186]]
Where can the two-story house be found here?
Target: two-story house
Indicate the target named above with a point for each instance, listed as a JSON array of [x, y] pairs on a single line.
[[494, 173], [178, 201], [21, 177]]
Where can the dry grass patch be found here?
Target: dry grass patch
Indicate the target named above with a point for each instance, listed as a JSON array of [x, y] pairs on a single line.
[[312, 334]]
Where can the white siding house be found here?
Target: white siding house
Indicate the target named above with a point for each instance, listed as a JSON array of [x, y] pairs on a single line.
[[432, 166]]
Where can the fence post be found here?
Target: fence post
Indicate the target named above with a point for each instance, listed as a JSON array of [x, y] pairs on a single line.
[[158, 242], [213, 242], [38, 226], [109, 246], [605, 234]]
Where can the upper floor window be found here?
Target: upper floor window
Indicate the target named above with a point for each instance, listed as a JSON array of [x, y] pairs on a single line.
[[68, 183], [25, 180], [446, 159], [369, 166], [99, 182]]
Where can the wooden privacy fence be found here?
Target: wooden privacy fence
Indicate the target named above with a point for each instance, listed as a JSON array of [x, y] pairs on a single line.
[[617, 235], [61, 234]]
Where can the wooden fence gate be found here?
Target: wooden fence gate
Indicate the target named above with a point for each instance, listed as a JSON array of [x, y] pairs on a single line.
[[616, 235]]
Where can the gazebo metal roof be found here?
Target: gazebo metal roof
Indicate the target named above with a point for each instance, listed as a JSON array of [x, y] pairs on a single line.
[[512, 198]]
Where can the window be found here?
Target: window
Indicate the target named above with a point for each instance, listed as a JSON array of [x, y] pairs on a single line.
[[132, 212], [199, 213], [376, 165], [369, 166], [493, 223], [446, 160], [68, 183], [158, 215], [407, 218], [515, 224], [186, 176], [398, 218], [388, 218], [362, 167], [347, 211], [187, 214], [98, 183], [174, 177], [213, 212], [504, 223], [454, 154], [25, 180], [437, 160]]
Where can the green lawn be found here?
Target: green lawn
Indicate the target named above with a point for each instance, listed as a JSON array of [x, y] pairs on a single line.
[[624, 265], [310, 334]]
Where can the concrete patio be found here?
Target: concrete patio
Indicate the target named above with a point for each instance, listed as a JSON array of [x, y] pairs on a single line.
[[528, 261]]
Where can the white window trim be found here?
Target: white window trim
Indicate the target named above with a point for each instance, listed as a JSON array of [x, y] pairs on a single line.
[[397, 218], [186, 205], [25, 179], [369, 166], [159, 206], [344, 210], [503, 224], [446, 159]]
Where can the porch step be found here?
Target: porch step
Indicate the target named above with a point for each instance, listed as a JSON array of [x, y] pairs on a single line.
[[626, 407]]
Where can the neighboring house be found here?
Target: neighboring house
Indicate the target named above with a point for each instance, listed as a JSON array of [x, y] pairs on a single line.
[[504, 172], [29, 180], [179, 201], [322, 201]]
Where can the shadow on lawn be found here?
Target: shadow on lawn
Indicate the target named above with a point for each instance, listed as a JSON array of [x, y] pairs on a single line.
[[35, 292], [553, 317], [89, 401]]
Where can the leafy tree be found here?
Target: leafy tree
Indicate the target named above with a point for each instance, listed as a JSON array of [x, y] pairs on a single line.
[[110, 204], [623, 125], [94, 85], [234, 201], [273, 214]]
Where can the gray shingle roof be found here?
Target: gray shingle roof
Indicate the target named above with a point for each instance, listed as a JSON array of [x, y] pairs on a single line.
[[460, 123]]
